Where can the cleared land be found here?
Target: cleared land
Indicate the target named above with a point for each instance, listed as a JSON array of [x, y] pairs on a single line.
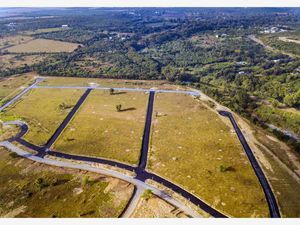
[[12, 85], [43, 110], [43, 45], [29, 189], [14, 61], [13, 40], [72, 81], [99, 130], [191, 146], [154, 207]]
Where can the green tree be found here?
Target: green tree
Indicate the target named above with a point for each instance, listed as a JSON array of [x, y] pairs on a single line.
[[119, 107]]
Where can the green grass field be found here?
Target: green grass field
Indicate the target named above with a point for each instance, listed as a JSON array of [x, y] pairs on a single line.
[[41, 109], [191, 146], [99, 130], [33, 190], [12, 85]]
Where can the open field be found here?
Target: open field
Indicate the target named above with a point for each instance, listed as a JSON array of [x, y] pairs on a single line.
[[43, 45], [191, 146], [73, 81], [155, 207], [285, 186], [13, 40], [43, 110], [287, 43], [29, 189], [44, 30], [99, 130], [13, 61], [10, 86]]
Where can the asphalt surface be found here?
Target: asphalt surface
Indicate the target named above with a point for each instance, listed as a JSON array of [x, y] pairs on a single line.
[[146, 135], [142, 174], [67, 119], [273, 207], [88, 167]]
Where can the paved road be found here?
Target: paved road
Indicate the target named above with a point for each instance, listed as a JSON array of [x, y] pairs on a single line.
[[67, 119], [13, 100], [147, 129], [122, 89], [88, 167], [133, 202], [142, 175], [273, 207]]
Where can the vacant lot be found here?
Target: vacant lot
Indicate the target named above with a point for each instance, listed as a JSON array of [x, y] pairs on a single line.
[[43, 110], [191, 146], [13, 61], [13, 40], [12, 85], [30, 189], [72, 81], [99, 130], [43, 45], [155, 207]]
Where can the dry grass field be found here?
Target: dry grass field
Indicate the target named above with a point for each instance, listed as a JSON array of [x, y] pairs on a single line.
[[12, 85], [13, 61], [43, 111], [43, 45], [13, 40], [74, 81], [191, 146], [29, 189], [99, 130], [155, 207]]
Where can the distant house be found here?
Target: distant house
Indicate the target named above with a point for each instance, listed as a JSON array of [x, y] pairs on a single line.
[[241, 63], [241, 72], [65, 26]]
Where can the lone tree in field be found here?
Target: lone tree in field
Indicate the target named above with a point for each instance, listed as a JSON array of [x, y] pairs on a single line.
[[119, 108], [111, 91]]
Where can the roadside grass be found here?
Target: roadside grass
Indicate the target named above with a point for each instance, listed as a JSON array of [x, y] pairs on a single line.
[[285, 186], [12, 85], [34, 190], [155, 207], [76, 81], [41, 110], [43, 45], [191, 146], [99, 130]]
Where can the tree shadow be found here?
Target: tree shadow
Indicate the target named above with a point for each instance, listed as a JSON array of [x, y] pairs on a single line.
[[128, 109]]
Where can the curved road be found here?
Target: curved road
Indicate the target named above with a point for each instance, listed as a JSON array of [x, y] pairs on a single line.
[[273, 207]]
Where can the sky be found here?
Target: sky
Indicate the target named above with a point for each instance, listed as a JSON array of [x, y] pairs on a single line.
[[149, 3]]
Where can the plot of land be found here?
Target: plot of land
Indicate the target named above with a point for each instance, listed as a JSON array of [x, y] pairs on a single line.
[[13, 40], [13, 61], [12, 85], [99, 130], [191, 146], [72, 81], [43, 110], [155, 207], [43, 45], [30, 189]]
